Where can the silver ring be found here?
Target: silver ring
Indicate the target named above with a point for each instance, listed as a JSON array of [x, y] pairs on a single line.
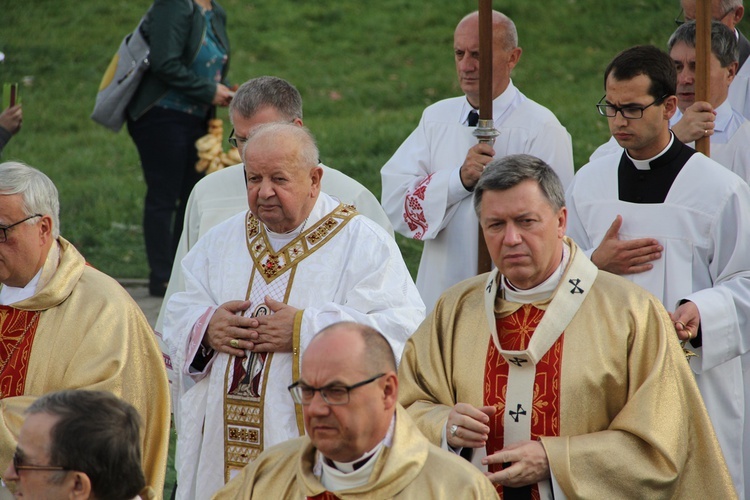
[[453, 430], [234, 343]]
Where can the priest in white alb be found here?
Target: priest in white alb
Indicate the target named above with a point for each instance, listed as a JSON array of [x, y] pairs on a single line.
[[257, 288], [561, 380]]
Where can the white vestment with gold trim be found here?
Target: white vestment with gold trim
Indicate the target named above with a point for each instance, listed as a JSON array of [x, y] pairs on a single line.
[[347, 269]]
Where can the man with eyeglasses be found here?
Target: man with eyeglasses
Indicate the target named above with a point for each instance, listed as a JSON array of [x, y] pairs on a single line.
[[729, 13], [360, 443], [66, 325], [681, 230], [79, 444], [257, 288]]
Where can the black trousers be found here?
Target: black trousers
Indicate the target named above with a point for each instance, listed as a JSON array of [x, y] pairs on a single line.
[[166, 145]]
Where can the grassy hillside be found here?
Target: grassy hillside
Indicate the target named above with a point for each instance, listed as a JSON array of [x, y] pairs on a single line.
[[365, 69]]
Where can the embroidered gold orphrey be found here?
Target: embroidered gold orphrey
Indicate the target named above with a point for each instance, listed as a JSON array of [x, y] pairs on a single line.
[[273, 275]]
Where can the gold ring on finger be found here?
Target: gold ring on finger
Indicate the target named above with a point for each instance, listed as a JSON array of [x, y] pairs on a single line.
[[234, 343]]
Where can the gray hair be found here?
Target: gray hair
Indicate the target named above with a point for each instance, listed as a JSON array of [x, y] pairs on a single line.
[[265, 91], [499, 20], [726, 5], [724, 43], [37, 191], [509, 171], [308, 150]]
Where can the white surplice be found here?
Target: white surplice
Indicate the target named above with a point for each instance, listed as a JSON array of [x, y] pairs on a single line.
[[359, 275], [729, 143], [422, 190], [704, 227]]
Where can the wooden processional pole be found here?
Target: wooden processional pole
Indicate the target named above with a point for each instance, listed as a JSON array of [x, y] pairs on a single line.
[[485, 131], [702, 63]]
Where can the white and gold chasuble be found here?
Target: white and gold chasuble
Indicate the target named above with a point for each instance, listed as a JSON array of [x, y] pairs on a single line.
[[273, 276], [343, 267]]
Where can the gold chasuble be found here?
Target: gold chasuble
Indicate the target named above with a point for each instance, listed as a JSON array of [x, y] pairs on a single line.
[[82, 330], [596, 374], [245, 378]]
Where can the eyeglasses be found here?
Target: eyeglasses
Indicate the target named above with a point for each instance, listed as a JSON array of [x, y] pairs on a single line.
[[4, 229], [236, 142], [19, 466], [334, 395], [628, 112], [680, 19]]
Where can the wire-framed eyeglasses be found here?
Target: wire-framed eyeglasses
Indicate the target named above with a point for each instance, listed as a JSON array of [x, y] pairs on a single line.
[[19, 465], [4, 229], [630, 112], [334, 395]]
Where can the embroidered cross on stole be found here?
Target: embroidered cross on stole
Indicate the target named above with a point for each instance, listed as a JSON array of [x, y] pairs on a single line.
[[524, 362], [17, 330], [515, 332], [245, 378]]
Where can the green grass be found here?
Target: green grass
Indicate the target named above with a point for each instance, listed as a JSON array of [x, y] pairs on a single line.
[[366, 70]]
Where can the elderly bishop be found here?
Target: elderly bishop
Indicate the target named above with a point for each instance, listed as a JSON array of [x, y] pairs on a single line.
[[257, 287], [563, 380]]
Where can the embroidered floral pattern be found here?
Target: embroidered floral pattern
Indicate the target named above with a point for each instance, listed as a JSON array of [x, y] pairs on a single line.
[[413, 210]]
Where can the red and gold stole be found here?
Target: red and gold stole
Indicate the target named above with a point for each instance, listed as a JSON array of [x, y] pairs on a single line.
[[515, 332], [245, 378], [17, 330]]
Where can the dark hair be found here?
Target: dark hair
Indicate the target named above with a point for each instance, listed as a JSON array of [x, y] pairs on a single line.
[[724, 43], [509, 171], [98, 434], [264, 91], [649, 61]]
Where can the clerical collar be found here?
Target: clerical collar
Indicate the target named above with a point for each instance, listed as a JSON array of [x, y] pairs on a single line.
[[337, 476], [646, 164], [279, 240], [542, 291], [11, 294]]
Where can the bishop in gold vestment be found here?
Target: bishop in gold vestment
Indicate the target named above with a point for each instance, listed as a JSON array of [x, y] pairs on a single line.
[[631, 420], [570, 379], [83, 331]]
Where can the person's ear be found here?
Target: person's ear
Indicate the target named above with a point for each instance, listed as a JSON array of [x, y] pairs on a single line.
[[81, 487]]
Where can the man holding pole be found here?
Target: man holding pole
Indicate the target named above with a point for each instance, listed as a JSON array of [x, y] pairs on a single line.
[[681, 230], [729, 13], [428, 182]]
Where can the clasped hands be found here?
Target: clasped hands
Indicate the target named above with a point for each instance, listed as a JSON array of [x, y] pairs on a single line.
[[528, 459], [230, 332]]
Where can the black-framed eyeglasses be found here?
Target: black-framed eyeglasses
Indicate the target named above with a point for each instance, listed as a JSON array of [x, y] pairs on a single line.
[[334, 395], [19, 465], [236, 142], [629, 112], [4, 229]]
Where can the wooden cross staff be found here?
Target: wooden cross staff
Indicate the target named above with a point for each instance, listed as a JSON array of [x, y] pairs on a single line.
[[485, 131], [702, 63]]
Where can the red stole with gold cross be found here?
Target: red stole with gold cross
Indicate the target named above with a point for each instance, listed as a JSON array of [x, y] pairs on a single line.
[[515, 331], [524, 360], [245, 378]]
